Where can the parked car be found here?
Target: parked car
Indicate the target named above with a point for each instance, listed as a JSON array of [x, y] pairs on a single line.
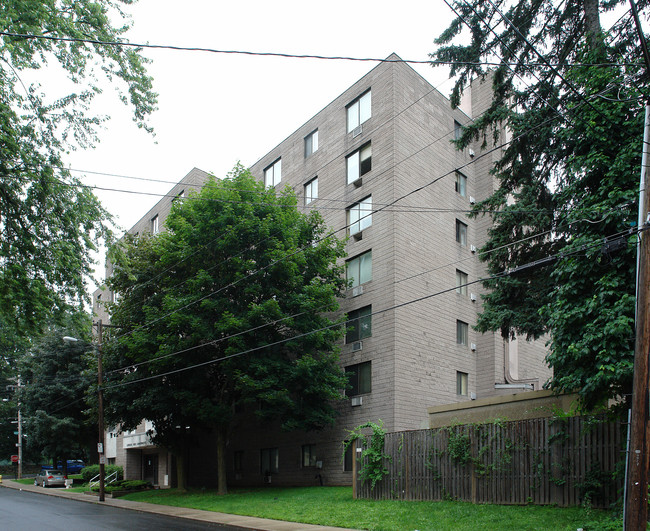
[[50, 478], [74, 466]]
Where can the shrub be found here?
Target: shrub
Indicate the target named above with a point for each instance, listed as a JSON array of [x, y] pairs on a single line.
[[130, 484], [91, 471]]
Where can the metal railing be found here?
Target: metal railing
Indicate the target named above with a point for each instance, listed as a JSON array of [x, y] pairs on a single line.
[[107, 479]]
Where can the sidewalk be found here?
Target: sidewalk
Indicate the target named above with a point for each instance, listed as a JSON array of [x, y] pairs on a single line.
[[245, 522]]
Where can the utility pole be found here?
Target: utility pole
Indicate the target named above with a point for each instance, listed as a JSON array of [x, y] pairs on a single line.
[[635, 512], [19, 473], [100, 407]]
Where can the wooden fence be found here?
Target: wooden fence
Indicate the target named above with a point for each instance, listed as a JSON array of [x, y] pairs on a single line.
[[564, 461]]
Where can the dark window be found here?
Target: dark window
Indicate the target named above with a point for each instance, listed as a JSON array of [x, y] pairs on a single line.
[[461, 383], [359, 324], [461, 232], [308, 455], [359, 377], [238, 461], [269, 461]]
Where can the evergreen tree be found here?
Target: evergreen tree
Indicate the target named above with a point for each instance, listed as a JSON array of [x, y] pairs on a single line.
[[571, 97]]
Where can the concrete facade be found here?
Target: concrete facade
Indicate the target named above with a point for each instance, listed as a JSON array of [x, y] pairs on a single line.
[[422, 350]]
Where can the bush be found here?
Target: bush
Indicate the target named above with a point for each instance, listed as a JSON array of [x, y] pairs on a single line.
[[91, 471], [129, 484]]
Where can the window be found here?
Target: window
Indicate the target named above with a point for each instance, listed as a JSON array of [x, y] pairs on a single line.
[[359, 163], [458, 130], [360, 216], [359, 111], [461, 282], [273, 174], [238, 460], [461, 184], [311, 143], [461, 383], [308, 455], [359, 269], [311, 190], [269, 461], [359, 324], [154, 225], [461, 232], [462, 332], [179, 195], [359, 378]]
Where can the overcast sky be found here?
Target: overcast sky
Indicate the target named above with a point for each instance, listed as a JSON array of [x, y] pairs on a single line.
[[217, 109]]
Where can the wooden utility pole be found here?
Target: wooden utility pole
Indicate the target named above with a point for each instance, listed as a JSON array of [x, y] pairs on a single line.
[[100, 408], [636, 484]]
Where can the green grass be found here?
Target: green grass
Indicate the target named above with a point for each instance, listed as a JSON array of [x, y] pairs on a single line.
[[334, 506]]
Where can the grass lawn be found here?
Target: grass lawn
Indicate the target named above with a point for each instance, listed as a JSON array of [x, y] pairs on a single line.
[[334, 506]]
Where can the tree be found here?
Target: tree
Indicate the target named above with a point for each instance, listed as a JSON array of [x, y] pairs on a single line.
[[230, 306], [50, 223], [565, 208], [56, 379]]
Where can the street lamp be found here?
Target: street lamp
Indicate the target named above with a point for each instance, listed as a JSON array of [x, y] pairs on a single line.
[[100, 407]]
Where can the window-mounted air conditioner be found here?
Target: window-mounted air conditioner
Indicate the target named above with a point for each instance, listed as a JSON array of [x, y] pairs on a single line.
[[356, 400], [472, 395], [471, 153], [472, 297], [357, 131], [357, 345], [472, 248], [357, 290], [472, 200], [473, 347]]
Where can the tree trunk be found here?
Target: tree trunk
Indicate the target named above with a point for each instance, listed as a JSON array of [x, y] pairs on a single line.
[[593, 31], [181, 470], [222, 483]]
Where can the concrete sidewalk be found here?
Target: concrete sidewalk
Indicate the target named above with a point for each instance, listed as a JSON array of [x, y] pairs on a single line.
[[245, 522]]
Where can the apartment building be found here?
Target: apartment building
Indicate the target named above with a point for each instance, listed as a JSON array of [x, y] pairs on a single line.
[[377, 162]]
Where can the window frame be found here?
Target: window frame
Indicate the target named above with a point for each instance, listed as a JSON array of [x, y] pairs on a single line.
[[458, 130], [309, 185], [311, 143], [461, 282], [359, 110], [311, 456], [355, 373], [155, 224], [271, 170], [273, 459], [356, 166], [358, 262], [461, 233], [462, 383], [462, 333], [357, 319], [461, 184], [358, 222]]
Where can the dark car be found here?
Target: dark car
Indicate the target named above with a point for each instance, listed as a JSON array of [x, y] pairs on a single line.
[[74, 466], [50, 478]]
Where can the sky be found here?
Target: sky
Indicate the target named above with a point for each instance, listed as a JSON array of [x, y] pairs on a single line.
[[218, 109]]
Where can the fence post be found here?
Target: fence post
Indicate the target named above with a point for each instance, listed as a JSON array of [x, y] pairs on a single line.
[[354, 469]]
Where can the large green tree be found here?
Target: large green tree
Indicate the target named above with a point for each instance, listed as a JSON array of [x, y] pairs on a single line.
[[50, 223], [55, 379], [230, 306], [571, 96]]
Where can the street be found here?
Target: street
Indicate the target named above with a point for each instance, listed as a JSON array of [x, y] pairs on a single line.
[[27, 511]]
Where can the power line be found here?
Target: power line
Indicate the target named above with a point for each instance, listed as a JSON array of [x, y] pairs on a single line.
[[252, 53]]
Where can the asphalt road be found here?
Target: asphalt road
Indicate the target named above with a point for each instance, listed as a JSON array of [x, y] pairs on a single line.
[[21, 510]]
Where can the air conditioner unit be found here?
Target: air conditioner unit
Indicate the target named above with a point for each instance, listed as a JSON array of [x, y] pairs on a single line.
[[473, 347], [357, 131], [357, 345], [472, 201], [472, 395], [267, 479], [472, 297], [471, 153], [356, 400], [357, 290], [472, 248]]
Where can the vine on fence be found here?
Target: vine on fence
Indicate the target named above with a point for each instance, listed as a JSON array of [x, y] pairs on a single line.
[[373, 467]]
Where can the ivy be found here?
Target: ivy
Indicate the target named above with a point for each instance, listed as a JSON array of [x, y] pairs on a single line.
[[373, 457]]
